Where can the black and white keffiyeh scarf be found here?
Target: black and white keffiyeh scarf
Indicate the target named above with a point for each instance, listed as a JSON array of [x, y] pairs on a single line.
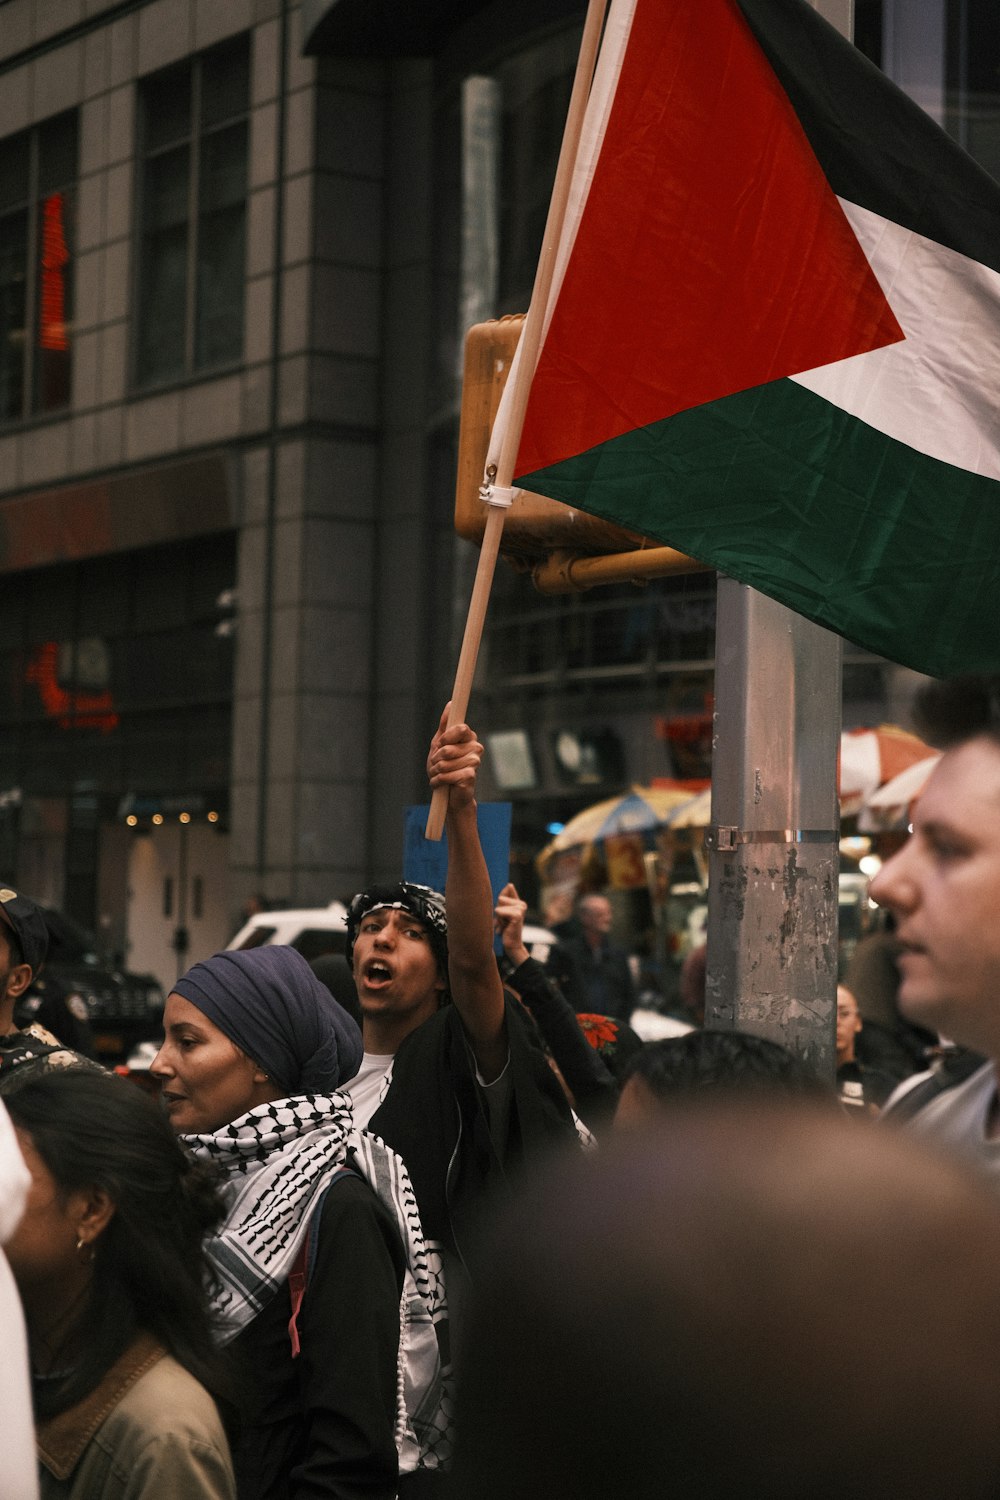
[[277, 1161]]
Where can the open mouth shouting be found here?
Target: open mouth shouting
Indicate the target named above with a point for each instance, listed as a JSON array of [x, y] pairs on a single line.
[[376, 973]]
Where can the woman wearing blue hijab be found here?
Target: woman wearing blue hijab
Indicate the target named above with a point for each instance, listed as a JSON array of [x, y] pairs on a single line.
[[311, 1262]]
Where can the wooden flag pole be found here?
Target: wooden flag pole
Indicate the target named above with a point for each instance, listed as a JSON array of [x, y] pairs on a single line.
[[531, 338]]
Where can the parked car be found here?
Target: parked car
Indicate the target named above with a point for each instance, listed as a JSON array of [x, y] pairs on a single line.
[[313, 931], [323, 929], [87, 1003]]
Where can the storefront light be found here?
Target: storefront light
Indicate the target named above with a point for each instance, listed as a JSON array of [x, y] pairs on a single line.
[[157, 819], [132, 820], [185, 817], [213, 817]]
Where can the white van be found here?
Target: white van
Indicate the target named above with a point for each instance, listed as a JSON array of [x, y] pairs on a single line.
[[323, 929], [312, 930]]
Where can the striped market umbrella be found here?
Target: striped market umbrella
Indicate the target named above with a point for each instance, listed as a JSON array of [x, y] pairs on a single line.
[[643, 809], [623, 828]]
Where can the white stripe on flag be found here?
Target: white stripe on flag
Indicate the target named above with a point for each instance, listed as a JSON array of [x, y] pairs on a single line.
[[938, 391]]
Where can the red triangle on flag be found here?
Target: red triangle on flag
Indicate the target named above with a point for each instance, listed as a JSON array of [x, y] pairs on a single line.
[[712, 255]]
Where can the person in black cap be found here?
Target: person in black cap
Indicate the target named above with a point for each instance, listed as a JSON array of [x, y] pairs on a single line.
[[24, 943]]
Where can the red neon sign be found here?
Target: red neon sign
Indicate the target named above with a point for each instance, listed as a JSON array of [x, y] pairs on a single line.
[[55, 258], [70, 710]]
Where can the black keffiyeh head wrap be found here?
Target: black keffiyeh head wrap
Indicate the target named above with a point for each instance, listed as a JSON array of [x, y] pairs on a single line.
[[419, 900], [270, 1003]]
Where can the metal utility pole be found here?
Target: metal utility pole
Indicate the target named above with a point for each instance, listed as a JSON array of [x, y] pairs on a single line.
[[774, 856], [774, 840]]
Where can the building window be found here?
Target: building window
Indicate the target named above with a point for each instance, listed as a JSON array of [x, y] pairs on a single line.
[[946, 55], [38, 172], [535, 86], [193, 215]]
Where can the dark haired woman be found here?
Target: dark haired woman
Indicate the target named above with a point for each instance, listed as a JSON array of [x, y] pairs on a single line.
[[328, 1298], [109, 1262]]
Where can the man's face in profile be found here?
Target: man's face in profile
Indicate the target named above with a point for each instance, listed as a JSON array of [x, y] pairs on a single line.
[[944, 889]]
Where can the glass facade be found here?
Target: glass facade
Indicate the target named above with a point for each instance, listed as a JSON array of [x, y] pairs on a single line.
[[111, 672], [114, 681], [946, 54], [193, 215], [38, 173]]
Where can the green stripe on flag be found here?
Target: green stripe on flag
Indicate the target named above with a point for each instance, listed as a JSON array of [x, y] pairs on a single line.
[[796, 497]]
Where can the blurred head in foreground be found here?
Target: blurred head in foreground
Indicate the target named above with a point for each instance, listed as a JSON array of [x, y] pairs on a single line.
[[755, 1299], [710, 1062]]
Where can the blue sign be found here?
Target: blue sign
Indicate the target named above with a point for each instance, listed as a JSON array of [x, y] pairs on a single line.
[[425, 861]]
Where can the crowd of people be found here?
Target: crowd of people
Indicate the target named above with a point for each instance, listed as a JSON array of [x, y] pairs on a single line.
[[490, 1243]]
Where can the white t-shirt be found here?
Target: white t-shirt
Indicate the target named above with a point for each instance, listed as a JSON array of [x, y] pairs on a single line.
[[369, 1085]]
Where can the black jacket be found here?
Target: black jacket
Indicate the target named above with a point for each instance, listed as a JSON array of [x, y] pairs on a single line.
[[600, 983], [593, 1085], [435, 1118], [322, 1424]]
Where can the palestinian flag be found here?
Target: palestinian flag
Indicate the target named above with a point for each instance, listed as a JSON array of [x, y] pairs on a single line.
[[774, 336]]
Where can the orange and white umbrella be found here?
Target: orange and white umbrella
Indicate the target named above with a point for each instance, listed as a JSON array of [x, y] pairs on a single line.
[[871, 757], [891, 805]]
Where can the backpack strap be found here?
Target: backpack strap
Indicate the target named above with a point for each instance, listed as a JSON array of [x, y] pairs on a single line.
[[305, 1260]]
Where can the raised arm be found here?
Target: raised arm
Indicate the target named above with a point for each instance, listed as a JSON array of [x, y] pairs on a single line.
[[594, 1089], [508, 921], [474, 979]]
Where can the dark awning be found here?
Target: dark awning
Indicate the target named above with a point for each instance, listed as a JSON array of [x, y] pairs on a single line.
[[381, 28], [414, 28]]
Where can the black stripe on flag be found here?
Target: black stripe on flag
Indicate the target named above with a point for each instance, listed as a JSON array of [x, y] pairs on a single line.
[[877, 148]]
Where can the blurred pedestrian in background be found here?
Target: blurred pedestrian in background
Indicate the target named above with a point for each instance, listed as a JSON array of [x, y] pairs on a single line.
[[862, 1089], [24, 944], [335, 972], [888, 1040], [593, 971]]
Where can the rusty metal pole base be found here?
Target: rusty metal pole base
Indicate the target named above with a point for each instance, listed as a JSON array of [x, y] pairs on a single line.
[[774, 838]]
